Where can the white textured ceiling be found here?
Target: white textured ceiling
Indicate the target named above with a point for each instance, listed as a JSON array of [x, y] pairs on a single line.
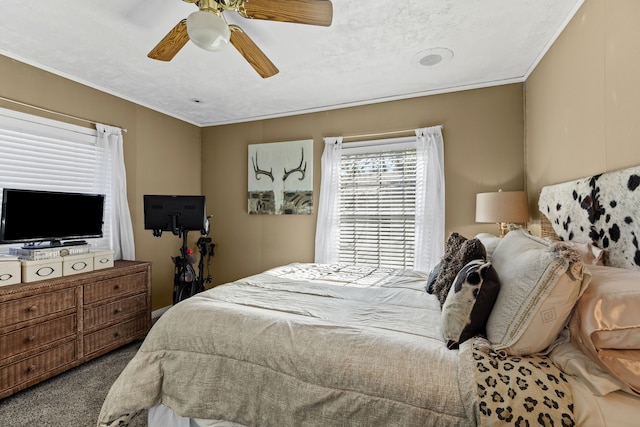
[[369, 54]]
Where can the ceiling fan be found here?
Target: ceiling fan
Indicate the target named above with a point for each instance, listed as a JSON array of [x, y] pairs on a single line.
[[208, 29]]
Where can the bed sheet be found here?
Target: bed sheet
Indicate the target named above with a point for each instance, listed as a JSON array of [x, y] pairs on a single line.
[[616, 409]]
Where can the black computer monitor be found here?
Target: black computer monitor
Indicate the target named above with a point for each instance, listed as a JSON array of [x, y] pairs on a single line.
[[174, 213]]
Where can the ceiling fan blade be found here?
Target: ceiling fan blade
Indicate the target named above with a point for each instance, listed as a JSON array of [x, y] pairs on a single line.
[[310, 12], [252, 53], [171, 43]]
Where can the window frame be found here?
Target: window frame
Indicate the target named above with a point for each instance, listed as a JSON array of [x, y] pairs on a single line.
[[87, 169], [395, 249]]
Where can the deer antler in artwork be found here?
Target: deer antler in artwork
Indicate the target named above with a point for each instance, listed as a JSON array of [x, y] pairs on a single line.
[[259, 171], [298, 169]]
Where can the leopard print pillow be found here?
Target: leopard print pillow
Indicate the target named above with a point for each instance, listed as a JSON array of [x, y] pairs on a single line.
[[521, 391]]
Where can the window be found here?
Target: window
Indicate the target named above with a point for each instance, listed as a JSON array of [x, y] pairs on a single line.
[[382, 202], [377, 208], [42, 154]]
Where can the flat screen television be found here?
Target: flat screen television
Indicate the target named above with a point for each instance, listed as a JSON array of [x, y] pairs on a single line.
[[33, 216], [174, 213]]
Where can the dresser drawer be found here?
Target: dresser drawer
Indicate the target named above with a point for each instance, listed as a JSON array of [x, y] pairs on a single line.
[[122, 332], [16, 311], [39, 365], [126, 285], [108, 313], [27, 339]]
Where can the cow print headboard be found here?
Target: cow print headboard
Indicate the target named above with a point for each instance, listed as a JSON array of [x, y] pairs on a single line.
[[602, 209]]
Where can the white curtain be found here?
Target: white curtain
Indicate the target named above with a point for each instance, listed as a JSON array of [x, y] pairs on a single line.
[[327, 232], [110, 137], [429, 233]]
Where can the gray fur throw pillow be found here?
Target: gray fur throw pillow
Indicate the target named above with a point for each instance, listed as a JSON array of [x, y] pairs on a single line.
[[458, 252]]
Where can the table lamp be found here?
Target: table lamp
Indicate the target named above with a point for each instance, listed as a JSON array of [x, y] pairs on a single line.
[[503, 208]]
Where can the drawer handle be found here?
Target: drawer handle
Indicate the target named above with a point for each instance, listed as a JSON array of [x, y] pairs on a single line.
[[118, 310], [116, 334], [31, 338], [33, 308], [31, 368], [116, 287]]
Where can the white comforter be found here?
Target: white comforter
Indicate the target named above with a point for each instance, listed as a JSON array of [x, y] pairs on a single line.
[[303, 345]]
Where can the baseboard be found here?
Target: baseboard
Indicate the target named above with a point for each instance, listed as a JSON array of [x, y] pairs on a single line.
[[155, 314]]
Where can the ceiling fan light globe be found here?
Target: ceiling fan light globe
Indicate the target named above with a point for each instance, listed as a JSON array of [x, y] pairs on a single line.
[[208, 30]]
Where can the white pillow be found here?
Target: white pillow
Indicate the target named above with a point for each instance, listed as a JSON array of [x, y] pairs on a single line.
[[490, 243], [540, 282]]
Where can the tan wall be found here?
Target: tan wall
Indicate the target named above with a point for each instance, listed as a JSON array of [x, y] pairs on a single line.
[[582, 101], [161, 154], [483, 138]]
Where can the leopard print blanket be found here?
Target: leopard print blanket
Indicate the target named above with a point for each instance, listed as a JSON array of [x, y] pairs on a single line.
[[520, 391]]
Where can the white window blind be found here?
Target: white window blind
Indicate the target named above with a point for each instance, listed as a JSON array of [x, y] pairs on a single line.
[[377, 207], [43, 154]]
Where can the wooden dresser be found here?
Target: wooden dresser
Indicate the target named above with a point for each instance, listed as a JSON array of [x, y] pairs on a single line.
[[50, 326]]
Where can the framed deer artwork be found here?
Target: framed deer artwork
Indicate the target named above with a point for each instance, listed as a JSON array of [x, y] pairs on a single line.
[[281, 178]]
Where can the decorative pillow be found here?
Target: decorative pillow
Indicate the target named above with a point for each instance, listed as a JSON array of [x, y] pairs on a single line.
[[469, 302], [432, 278], [540, 282], [451, 249], [490, 243], [458, 252], [606, 323]]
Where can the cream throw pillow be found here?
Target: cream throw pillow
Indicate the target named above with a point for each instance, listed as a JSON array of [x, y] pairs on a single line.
[[540, 283]]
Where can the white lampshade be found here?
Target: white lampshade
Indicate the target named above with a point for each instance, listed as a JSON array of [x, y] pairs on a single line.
[[208, 30], [502, 207]]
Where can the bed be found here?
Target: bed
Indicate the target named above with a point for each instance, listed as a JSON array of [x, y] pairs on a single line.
[[501, 332]]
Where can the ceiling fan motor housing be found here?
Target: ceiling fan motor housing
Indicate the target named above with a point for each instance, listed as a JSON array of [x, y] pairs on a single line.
[[208, 29]]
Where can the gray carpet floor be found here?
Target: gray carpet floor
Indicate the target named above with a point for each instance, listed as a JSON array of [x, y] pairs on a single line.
[[71, 399]]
